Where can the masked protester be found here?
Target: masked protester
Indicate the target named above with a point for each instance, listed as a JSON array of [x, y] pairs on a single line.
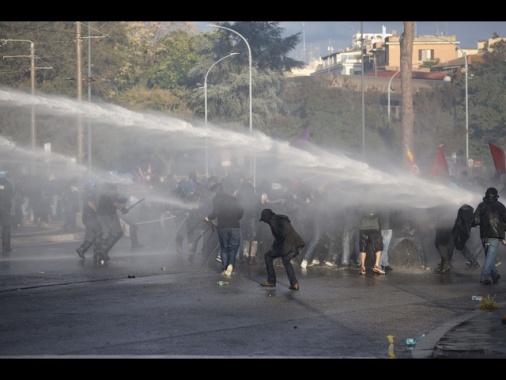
[[287, 244]]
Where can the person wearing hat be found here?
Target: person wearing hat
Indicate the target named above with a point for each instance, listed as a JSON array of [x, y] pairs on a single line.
[[6, 197], [490, 215], [287, 244]]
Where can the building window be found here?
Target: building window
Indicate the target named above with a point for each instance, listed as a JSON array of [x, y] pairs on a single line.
[[425, 54]]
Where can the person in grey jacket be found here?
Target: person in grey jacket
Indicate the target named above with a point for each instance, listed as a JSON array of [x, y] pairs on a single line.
[[490, 215]]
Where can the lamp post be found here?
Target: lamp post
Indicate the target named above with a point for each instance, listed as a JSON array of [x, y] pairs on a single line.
[[250, 89], [89, 94], [389, 84], [205, 104], [32, 79], [467, 96]]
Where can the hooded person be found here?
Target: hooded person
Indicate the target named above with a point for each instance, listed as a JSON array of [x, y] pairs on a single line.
[[490, 215], [287, 244], [462, 233]]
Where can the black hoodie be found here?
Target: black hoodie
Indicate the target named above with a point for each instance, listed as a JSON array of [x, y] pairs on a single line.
[[286, 239], [490, 215], [462, 227]]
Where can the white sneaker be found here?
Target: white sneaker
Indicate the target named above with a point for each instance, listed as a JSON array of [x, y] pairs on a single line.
[[330, 264], [315, 262], [229, 270], [303, 264]]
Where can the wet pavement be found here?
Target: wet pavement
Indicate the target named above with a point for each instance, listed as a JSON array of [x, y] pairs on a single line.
[[153, 304]]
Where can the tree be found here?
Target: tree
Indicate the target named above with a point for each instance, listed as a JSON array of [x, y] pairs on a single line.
[[406, 43], [487, 100], [228, 98]]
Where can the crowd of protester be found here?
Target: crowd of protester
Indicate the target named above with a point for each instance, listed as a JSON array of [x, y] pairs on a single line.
[[318, 210]]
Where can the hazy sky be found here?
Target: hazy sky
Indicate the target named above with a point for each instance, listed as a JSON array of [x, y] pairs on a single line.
[[317, 36]]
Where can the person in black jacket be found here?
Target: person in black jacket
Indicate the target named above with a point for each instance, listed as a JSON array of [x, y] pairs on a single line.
[[287, 244], [89, 218], [443, 240], [461, 234], [109, 202], [6, 198], [229, 213], [490, 215]]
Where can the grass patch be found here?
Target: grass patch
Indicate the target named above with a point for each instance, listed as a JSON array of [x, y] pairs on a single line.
[[488, 304]]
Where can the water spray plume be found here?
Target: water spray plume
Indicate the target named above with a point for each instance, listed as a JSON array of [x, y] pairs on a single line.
[[355, 180]]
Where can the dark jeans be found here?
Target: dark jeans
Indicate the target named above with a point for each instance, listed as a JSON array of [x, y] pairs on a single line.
[[287, 263], [5, 221], [230, 241]]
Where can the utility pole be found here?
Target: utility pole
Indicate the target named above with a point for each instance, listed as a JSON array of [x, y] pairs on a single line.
[[79, 94], [362, 55], [32, 80], [89, 93], [406, 45]]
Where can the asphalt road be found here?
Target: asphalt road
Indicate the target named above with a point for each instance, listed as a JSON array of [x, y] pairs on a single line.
[[153, 303]]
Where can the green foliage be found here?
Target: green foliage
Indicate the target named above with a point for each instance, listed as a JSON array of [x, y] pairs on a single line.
[[487, 99], [430, 63], [177, 54], [488, 303], [143, 99]]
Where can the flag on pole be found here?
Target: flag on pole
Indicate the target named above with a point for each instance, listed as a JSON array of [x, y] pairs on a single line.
[[498, 157], [302, 138], [439, 167], [411, 160]]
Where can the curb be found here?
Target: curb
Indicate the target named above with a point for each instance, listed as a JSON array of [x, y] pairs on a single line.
[[44, 237], [427, 346]]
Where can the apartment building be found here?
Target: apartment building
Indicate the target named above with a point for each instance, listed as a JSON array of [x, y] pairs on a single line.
[[382, 52]]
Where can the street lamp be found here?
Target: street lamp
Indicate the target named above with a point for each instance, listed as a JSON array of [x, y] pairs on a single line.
[[205, 104], [250, 89], [467, 97], [389, 84]]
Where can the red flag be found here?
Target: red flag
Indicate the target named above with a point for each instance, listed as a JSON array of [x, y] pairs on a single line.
[[498, 157], [439, 167], [301, 139]]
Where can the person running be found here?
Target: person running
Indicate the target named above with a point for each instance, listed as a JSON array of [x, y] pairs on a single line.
[[89, 219], [109, 202], [287, 244], [229, 213], [248, 199]]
